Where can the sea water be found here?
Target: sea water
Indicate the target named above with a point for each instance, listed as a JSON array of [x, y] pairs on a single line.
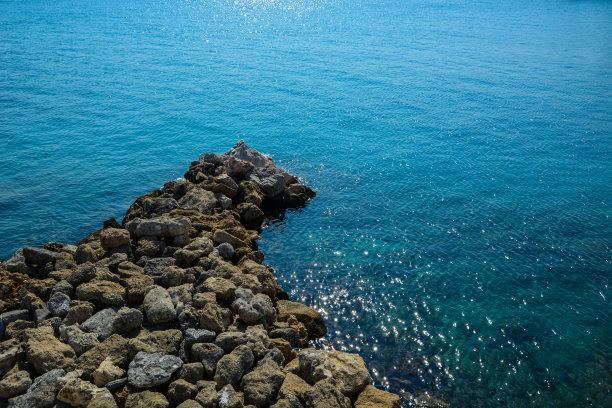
[[461, 152]]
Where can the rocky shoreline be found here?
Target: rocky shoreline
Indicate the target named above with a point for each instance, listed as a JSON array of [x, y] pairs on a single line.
[[173, 307]]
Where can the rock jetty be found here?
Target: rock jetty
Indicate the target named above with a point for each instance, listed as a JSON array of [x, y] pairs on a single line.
[[173, 307]]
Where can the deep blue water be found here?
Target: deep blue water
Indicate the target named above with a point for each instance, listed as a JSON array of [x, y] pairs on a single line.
[[461, 151]]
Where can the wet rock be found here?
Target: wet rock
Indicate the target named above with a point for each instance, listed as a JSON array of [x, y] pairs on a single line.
[[200, 200], [101, 323], [107, 372], [15, 383], [308, 316], [261, 385], [158, 306], [114, 237], [297, 195], [233, 366], [250, 215], [158, 227], [372, 397], [126, 320], [271, 180], [180, 391], [150, 370], [324, 394], [41, 393], [225, 185], [146, 399], [101, 292], [59, 304], [81, 394], [78, 340], [156, 267], [209, 355], [46, 352], [227, 398]]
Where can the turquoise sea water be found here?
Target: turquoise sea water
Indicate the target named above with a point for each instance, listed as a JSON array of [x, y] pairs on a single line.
[[461, 151]]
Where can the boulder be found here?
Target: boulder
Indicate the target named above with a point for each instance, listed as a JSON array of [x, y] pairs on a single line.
[[225, 185], [324, 394], [82, 274], [159, 205], [101, 323], [243, 152], [207, 396], [293, 387], [349, 371], [191, 372], [226, 250], [297, 194], [159, 341], [39, 256], [156, 267], [211, 318], [150, 370], [41, 393], [372, 397], [9, 317], [220, 236], [158, 306], [115, 347], [81, 394], [102, 292], [230, 340], [261, 385], [78, 313], [46, 352], [59, 304], [233, 366], [158, 227], [15, 383], [200, 200], [228, 398], [223, 288], [251, 308], [85, 253], [146, 399], [107, 372], [209, 355], [126, 320], [271, 180], [180, 391], [62, 286], [136, 287], [114, 237], [78, 340], [308, 316]]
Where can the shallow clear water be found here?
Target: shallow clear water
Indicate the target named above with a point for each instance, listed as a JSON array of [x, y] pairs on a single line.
[[461, 151]]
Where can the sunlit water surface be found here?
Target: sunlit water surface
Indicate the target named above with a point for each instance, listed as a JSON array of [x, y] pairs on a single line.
[[461, 152]]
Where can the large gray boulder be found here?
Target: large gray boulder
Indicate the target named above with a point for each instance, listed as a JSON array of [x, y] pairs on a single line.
[[41, 393], [152, 369], [158, 227], [158, 306]]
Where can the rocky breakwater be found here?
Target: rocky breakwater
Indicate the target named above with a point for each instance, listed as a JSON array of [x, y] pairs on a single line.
[[173, 307]]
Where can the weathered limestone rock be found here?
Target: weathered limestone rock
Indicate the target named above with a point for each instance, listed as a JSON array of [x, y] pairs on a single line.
[[39, 256], [191, 372], [101, 323], [297, 194], [115, 347], [211, 318], [78, 340], [126, 320], [159, 205], [114, 237], [41, 393], [221, 236], [158, 227], [46, 352], [9, 317], [157, 266], [230, 340], [82, 274], [292, 386], [79, 393], [180, 391], [372, 397], [209, 355], [107, 372], [308, 316], [146, 399], [324, 394], [223, 288], [85, 253], [207, 396], [78, 313], [349, 371], [158, 306], [261, 385], [136, 287], [200, 200], [271, 180], [159, 341], [149, 370], [228, 398], [59, 304], [102, 292], [233, 366], [251, 308], [15, 383]]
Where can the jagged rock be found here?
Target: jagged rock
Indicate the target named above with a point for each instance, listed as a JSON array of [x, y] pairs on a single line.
[[85, 253], [59, 304], [115, 347], [308, 316], [211, 318], [186, 257], [243, 152], [172, 276], [102, 292], [223, 288], [297, 194], [32, 302], [202, 245], [372, 397], [271, 180], [189, 404], [149, 370], [227, 398], [82, 274], [261, 385], [41, 393], [350, 372], [81, 394], [158, 306], [225, 185], [237, 168], [233, 366], [78, 313], [293, 387], [250, 215], [107, 372], [324, 394], [193, 336], [159, 205], [46, 352], [62, 286], [285, 347], [201, 299], [191, 372], [136, 288], [147, 246], [253, 308], [207, 396], [9, 317], [180, 391], [157, 266], [209, 355], [79, 340], [15, 383], [101, 323], [146, 399], [127, 269], [200, 200], [230, 340], [160, 341], [269, 286], [220, 236], [16, 329], [126, 320], [114, 237], [158, 227]]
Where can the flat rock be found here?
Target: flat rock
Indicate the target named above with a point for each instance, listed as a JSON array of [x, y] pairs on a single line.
[[101, 292], [150, 370]]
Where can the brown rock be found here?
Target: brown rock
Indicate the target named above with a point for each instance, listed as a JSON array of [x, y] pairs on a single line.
[[115, 347], [308, 316], [46, 352], [102, 293], [114, 237], [372, 397], [146, 399]]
